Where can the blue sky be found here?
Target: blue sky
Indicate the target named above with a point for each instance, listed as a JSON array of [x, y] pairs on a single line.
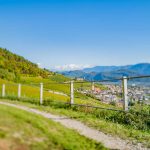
[[77, 32]]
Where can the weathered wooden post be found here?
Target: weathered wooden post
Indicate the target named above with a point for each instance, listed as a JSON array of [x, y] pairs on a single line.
[[3, 90], [19, 90], [71, 92], [125, 93], [41, 93], [93, 87]]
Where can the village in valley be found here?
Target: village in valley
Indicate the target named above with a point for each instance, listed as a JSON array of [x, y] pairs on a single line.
[[113, 94]]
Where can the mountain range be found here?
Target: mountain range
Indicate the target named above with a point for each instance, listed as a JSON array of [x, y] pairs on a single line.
[[109, 72]]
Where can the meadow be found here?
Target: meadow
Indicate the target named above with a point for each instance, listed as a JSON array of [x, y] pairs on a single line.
[[28, 131]]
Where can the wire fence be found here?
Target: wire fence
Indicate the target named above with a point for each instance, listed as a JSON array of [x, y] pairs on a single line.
[[120, 93], [124, 101]]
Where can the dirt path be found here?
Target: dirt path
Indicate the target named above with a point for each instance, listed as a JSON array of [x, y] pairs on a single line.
[[107, 140]]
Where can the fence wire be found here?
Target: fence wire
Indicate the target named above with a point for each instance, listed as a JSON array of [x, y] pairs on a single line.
[[107, 93]]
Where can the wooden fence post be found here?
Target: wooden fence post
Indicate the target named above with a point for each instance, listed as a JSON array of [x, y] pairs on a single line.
[[41, 93], [125, 93], [3, 90], [71, 92], [19, 90]]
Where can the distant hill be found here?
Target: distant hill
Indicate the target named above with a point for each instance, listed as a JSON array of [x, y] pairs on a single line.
[[99, 69], [142, 68], [110, 72]]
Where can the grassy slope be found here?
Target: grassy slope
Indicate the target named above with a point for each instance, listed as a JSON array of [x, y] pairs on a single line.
[[122, 131], [24, 130], [12, 66], [29, 91]]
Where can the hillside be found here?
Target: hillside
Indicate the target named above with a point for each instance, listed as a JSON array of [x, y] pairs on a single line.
[[14, 67]]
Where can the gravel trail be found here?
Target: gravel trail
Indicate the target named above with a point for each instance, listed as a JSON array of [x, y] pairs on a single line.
[[108, 140]]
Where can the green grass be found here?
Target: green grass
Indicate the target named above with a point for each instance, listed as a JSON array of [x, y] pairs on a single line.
[[104, 125], [49, 83], [30, 91], [27, 131]]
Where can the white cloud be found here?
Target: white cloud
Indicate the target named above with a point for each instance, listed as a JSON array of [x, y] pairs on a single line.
[[68, 67]]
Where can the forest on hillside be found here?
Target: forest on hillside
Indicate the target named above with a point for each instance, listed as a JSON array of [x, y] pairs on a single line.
[[13, 66]]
